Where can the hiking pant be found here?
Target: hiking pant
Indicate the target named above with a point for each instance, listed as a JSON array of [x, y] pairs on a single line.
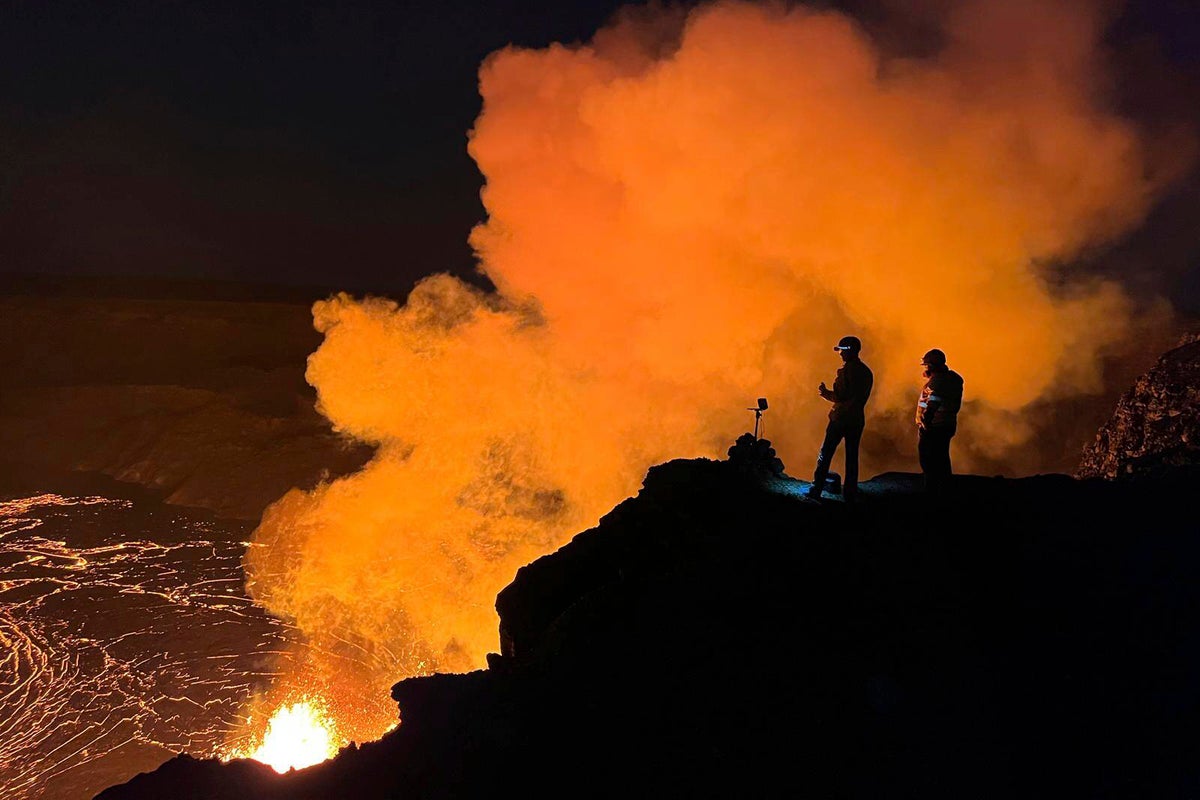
[[835, 431], [933, 450]]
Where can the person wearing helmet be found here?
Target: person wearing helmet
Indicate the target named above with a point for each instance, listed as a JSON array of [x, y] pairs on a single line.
[[937, 419], [847, 418]]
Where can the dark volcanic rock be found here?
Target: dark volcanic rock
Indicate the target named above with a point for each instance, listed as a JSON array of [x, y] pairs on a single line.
[[716, 636], [189, 778], [756, 456], [1156, 426]]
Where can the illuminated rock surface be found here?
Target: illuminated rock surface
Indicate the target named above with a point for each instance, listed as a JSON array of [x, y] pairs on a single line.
[[720, 636], [1156, 425], [202, 400]]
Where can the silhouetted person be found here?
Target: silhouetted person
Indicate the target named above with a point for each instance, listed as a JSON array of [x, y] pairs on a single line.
[[937, 419], [847, 418]]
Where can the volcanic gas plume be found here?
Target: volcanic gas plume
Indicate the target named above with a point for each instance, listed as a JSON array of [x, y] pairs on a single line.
[[685, 214]]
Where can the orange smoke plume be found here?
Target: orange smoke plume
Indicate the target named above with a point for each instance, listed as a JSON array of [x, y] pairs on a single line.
[[685, 214]]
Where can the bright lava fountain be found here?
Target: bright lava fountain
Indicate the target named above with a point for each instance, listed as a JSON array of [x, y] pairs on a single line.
[[298, 736]]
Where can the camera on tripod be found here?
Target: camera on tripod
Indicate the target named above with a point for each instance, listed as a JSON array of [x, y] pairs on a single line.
[[758, 412]]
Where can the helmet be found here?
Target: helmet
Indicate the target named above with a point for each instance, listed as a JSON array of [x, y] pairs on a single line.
[[934, 358], [850, 343]]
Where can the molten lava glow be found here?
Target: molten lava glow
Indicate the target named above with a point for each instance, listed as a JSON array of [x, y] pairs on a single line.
[[164, 668], [298, 736], [684, 214]]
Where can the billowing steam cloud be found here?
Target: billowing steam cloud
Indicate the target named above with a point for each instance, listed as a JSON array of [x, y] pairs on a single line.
[[686, 214]]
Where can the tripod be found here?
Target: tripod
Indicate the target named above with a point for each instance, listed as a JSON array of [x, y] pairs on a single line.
[[758, 412]]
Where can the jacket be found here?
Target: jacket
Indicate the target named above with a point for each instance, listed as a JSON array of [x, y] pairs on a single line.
[[940, 400], [851, 390]]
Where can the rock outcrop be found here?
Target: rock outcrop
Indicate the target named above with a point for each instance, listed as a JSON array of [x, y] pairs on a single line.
[[717, 636], [1156, 426]]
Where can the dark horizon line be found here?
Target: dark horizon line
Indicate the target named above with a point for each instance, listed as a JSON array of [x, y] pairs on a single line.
[[129, 286]]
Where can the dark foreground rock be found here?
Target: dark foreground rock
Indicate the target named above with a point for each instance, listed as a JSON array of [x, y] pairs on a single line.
[[718, 636], [1156, 426]]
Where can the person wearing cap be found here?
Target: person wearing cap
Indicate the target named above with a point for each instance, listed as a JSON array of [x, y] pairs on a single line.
[[847, 418], [937, 419]]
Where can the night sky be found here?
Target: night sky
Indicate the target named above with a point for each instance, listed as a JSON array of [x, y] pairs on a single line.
[[324, 143]]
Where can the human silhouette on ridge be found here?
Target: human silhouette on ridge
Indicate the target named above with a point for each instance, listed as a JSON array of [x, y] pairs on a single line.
[[937, 419], [849, 395]]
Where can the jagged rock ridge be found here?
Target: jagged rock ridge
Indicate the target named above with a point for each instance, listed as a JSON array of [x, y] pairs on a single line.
[[1156, 425]]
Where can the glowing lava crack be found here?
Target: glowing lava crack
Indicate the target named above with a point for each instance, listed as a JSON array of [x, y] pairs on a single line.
[[126, 636]]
